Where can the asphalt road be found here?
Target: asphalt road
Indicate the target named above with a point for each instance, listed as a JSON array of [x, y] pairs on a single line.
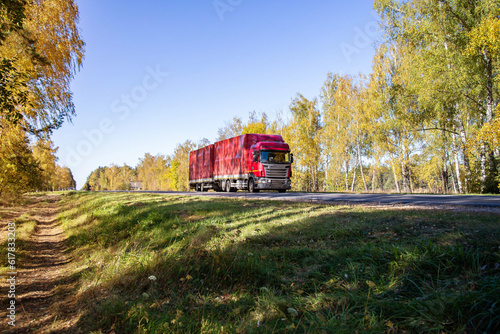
[[388, 199]]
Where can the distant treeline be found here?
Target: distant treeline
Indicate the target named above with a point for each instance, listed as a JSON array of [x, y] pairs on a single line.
[[158, 172], [425, 120]]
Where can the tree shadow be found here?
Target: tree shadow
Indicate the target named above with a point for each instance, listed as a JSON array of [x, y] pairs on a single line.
[[318, 265]]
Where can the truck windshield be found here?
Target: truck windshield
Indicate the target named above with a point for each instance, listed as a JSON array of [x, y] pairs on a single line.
[[277, 157]]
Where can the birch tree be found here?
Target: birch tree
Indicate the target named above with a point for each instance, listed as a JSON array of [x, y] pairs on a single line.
[[303, 136], [41, 51], [454, 48], [392, 106]]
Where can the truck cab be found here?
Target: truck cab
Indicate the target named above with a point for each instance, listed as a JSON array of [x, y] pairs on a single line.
[[270, 167]]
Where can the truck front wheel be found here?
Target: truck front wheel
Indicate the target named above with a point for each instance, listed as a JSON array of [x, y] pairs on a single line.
[[251, 186]]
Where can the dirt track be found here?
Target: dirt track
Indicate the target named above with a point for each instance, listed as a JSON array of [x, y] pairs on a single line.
[[43, 300]]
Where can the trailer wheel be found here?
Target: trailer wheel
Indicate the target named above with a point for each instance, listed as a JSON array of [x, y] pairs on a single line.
[[217, 187], [282, 191], [251, 186], [228, 186]]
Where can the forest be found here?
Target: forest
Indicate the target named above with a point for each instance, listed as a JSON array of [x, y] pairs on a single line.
[[426, 119]]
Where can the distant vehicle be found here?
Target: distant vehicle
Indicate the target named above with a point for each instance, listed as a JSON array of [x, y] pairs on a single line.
[[250, 162]]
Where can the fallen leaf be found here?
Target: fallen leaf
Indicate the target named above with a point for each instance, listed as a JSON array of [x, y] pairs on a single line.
[[371, 284]]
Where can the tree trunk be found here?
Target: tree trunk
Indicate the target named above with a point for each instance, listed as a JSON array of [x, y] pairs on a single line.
[[483, 175], [316, 180], [347, 175], [453, 179], [327, 166], [311, 184], [468, 174], [353, 179], [373, 181], [444, 177], [457, 167], [395, 177], [405, 171], [361, 168], [444, 171], [490, 172]]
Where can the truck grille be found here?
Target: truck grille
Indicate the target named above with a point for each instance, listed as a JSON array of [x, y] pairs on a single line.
[[276, 171], [277, 183]]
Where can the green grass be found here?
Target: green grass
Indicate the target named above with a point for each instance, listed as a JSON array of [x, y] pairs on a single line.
[[24, 228], [149, 263]]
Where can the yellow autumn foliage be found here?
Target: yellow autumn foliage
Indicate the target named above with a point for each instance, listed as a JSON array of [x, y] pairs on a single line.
[[485, 37]]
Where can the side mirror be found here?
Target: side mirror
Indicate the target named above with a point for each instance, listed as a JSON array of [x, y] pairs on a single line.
[[255, 157], [291, 158]]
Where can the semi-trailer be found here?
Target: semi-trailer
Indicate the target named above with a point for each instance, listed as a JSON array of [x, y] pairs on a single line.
[[250, 162]]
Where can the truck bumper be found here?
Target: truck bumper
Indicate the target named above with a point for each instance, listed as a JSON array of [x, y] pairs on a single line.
[[273, 184]]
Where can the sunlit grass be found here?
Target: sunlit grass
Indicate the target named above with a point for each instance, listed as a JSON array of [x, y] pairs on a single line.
[[225, 265], [24, 228]]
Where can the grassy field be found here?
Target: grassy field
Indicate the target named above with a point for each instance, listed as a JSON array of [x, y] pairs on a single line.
[[147, 263]]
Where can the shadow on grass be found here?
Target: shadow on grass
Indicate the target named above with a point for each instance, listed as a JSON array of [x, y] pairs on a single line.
[[221, 265]]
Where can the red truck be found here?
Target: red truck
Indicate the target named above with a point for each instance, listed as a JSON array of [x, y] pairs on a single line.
[[251, 161]]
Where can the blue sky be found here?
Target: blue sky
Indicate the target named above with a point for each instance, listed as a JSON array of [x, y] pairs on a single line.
[[157, 73]]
